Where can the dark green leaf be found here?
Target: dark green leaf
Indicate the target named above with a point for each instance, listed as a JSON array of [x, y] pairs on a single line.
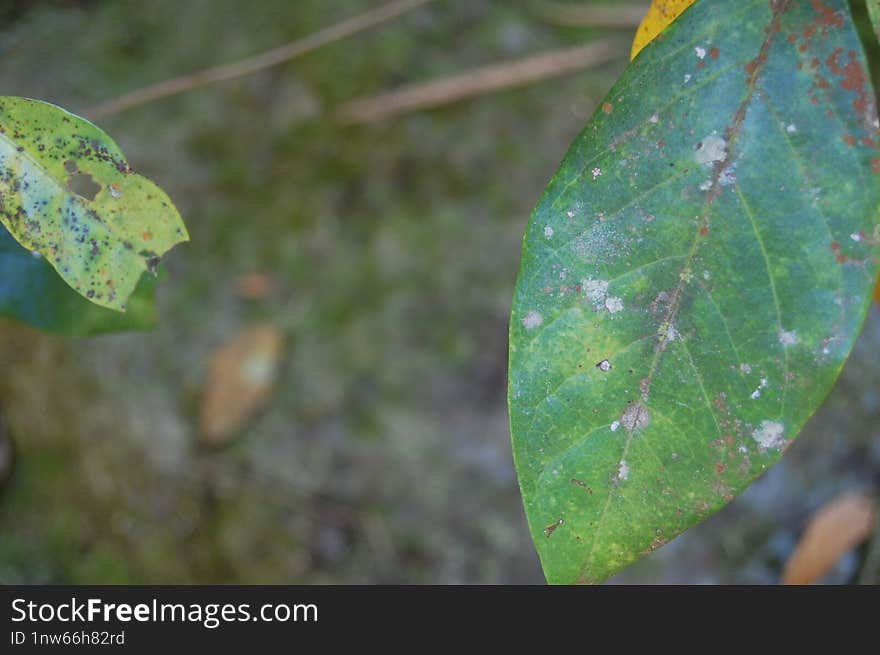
[[32, 292], [693, 278], [67, 192]]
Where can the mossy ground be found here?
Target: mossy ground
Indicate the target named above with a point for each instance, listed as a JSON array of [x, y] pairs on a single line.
[[384, 456]]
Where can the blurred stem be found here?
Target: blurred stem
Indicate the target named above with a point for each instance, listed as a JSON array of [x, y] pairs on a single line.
[[256, 63], [455, 88]]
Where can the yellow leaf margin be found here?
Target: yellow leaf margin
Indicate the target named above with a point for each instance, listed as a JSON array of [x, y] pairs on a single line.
[[660, 14]]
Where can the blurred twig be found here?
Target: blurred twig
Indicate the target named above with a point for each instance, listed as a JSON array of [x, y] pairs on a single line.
[[258, 62], [619, 15], [481, 81]]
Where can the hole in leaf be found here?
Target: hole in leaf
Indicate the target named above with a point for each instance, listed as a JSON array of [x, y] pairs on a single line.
[[83, 185], [70, 166]]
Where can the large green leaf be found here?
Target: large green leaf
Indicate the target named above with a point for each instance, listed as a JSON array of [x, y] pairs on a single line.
[[693, 278], [67, 192], [32, 292], [874, 13]]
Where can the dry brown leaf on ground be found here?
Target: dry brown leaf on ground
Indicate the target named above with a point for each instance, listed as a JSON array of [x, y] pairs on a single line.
[[241, 376], [834, 530], [254, 286]]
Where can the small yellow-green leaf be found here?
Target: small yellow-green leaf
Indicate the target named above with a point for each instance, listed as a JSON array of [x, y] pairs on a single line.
[[68, 193]]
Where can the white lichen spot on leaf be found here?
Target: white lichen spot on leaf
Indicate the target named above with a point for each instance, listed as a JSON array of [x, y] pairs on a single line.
[[757, 392], [635, 417], [710, 150], [613, 304], [788, 338], [769, 435], [667, 333], [532, 320], [728, 175], [596, 291]]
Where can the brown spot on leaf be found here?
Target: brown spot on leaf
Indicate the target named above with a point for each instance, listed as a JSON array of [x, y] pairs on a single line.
[[853, 80], [826, 17]]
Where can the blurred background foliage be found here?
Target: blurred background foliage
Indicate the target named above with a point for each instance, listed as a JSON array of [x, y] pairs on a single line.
[[383, 453]]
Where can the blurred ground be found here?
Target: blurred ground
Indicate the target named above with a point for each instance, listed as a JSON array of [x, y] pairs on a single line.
[[384, 454]]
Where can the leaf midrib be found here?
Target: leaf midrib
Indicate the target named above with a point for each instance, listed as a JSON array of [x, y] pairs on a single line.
[[733, 133]]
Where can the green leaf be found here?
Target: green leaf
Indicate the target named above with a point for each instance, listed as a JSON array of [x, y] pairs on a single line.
[[693, 278], [67, 192], [32, 292], [874, 13]]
